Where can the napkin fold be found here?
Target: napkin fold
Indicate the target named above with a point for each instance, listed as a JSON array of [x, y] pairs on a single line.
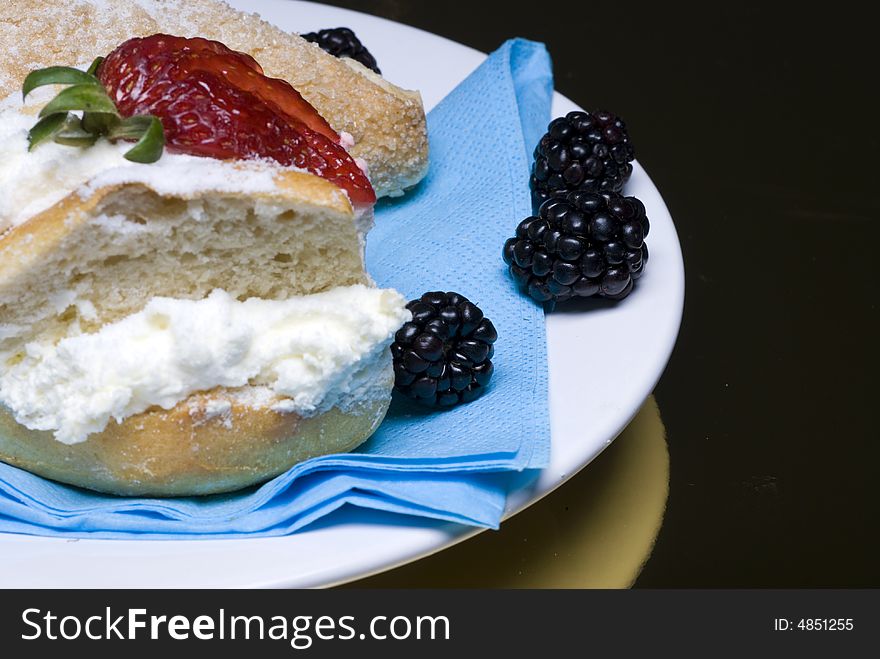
[[444, 235]]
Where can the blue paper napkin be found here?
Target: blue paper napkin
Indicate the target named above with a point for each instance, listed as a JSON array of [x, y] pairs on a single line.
[[445, 235]]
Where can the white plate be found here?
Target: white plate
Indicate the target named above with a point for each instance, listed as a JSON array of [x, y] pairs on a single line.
[[603, 364]]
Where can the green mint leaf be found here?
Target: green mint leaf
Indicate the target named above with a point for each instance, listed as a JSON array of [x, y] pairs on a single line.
[[86, 97], [99, 123], [45, 129], [99, 117], [56, 75], [152, 138], [131, 128], [72, 133], [93, 67]]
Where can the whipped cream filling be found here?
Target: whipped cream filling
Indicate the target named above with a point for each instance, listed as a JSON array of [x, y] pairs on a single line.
[[312, 352], [31, 182]]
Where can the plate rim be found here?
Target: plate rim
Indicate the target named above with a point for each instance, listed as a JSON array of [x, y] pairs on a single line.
[[428, 537]]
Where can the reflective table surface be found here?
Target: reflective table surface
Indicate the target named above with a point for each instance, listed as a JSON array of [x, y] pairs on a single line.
[[758, 125]]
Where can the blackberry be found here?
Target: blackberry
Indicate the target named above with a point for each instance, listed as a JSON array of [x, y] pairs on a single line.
[[443, 356], [581, 151], [580, 245], [342, 42]]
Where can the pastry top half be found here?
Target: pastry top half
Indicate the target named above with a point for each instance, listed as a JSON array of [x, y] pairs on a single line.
[[386, 122]]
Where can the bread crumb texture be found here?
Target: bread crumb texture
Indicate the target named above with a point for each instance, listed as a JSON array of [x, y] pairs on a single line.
[[84, 263]]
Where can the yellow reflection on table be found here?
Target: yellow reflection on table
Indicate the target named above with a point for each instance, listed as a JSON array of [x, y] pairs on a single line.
[[595, 531]]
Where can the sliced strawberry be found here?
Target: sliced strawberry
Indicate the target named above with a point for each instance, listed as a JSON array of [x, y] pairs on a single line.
[[271, 90], [215, 102], [151, 58], [139, 52], [216, 47]]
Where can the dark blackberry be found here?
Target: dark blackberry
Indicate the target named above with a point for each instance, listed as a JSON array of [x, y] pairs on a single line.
[[342, 42], [580, 245], [443, 355], [581, 151]]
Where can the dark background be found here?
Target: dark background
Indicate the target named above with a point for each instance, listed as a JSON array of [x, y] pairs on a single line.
[[758, 125]]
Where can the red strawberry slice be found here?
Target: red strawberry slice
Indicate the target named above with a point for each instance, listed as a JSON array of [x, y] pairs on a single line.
[[215, 102], [163, 56], [271, 90], [143, 59], [167, 42]]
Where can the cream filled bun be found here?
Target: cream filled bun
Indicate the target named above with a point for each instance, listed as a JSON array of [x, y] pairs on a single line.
[[192, 325], [184, 327]]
